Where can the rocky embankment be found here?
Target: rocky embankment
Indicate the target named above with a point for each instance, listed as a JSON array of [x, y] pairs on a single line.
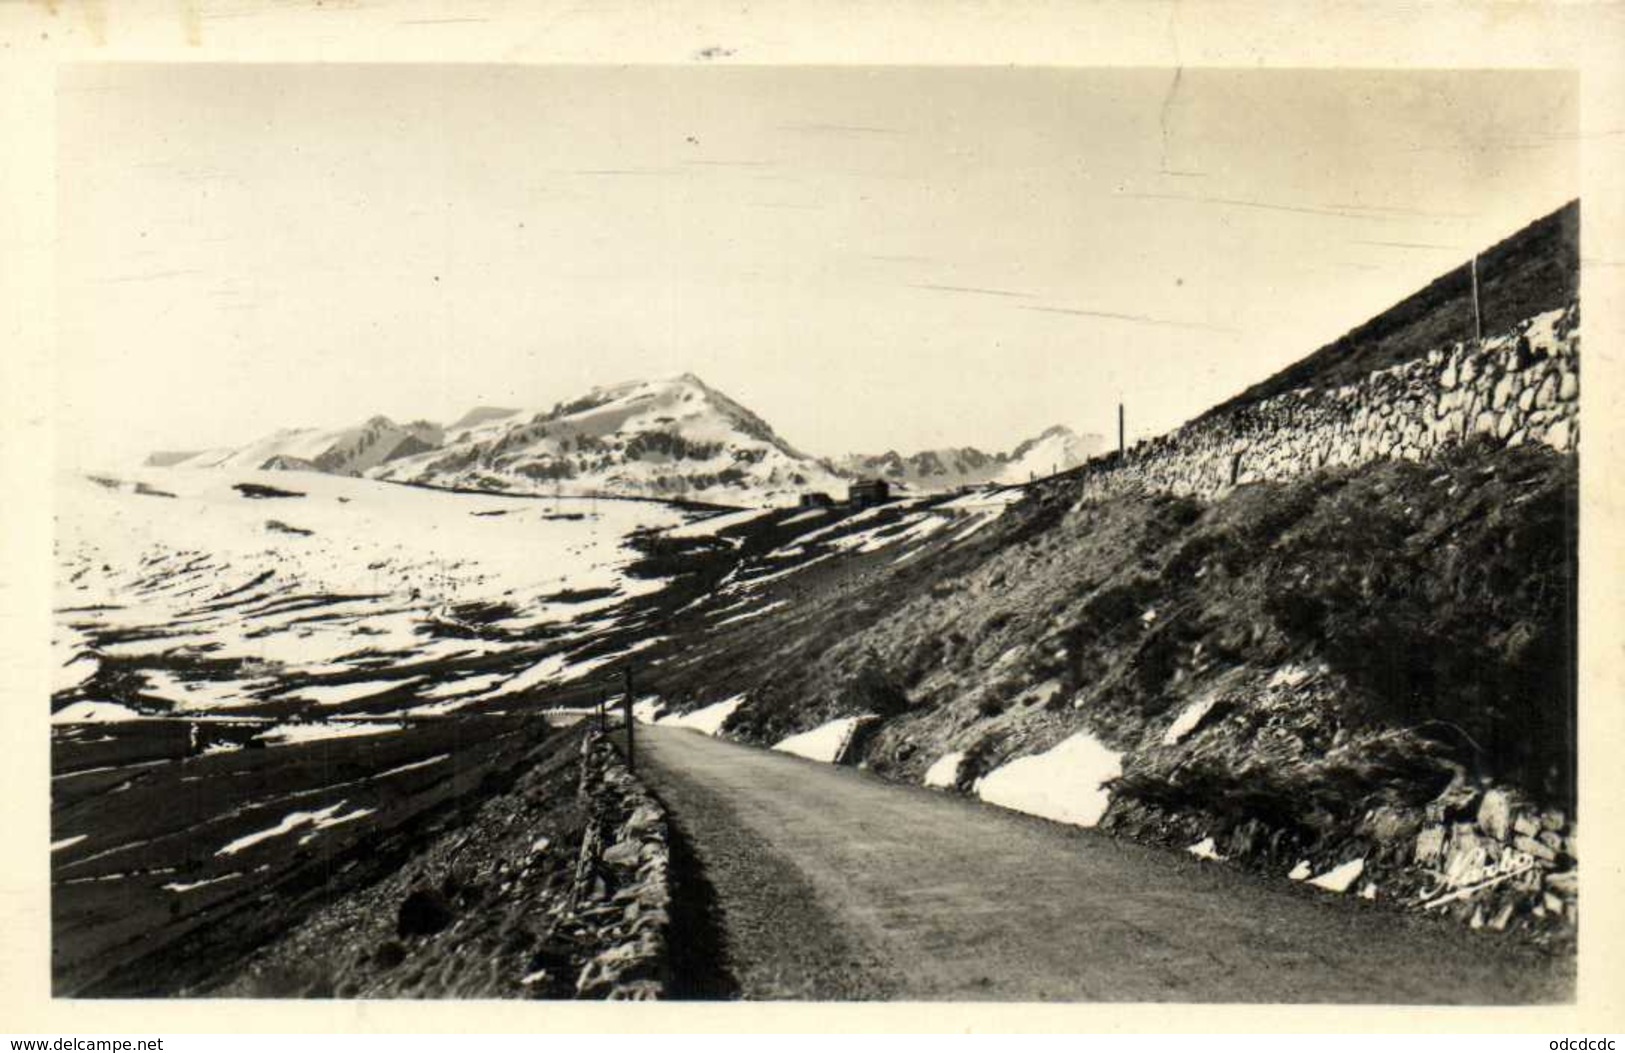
[[1521, 386], [1327, 631], [556, 887], [1481, 853]]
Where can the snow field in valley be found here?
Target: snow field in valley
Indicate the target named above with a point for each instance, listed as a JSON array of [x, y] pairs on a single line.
[[213, 598]]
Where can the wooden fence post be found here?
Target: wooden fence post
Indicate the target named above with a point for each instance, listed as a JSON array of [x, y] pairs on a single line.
[[626, 708]]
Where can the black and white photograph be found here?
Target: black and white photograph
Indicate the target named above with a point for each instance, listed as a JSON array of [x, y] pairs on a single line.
[[816, 533]]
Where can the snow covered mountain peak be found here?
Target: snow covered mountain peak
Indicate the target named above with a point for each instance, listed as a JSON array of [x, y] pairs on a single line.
[[675, 438]]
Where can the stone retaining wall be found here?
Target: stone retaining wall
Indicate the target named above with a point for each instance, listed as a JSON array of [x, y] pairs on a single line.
[[621, 883], [1485, 854], [1521, 386]]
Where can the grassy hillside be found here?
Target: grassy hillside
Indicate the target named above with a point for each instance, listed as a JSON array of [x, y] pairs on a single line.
[[1536, 269], [1434, 600], [1315, 669]]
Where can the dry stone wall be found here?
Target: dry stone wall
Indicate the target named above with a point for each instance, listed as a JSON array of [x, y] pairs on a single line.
[[1492, 858], [621, 884], [1521, 386]]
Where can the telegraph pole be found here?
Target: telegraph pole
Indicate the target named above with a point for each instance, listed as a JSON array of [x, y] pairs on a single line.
[[1478, 321], [1120, 447], [626, 710]]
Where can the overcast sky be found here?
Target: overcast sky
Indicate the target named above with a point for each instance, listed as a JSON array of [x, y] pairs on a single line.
[[869, 259]]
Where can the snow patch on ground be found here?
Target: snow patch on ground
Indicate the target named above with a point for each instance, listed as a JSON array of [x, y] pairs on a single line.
[[708, 720], [560, 668], [827, 742], [93, 713], [468, 685], [994, 501], [318, 820], [710, 526], [944, 774], [74, 673], [1339, 878], [337, 694], [802, 517], [751, 586], [288, 734], [413, 766], [1206, 849], [331, 821], [976, 525], [756, 612], [647, 710], [865, 519], [188, 695], [547, 669], [918, 528], [1066, 784], [432, 709], [1301, 871], [188, 886], [200, 576]]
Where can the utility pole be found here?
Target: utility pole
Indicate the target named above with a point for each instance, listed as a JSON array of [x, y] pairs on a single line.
[[1120, 448], [626, 710], [1478, 321]]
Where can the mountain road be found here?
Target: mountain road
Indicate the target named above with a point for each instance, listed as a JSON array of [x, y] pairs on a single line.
[[800, 880]]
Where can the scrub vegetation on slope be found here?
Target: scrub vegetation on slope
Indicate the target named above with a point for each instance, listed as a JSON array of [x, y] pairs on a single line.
[[1275, 666]]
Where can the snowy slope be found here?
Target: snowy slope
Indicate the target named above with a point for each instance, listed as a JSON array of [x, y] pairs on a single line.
[[479, 415], [675, 438], [343, 451], [178, 591], [1056, 449]]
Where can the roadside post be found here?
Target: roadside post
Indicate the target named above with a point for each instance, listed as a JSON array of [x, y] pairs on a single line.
[[626, 710]]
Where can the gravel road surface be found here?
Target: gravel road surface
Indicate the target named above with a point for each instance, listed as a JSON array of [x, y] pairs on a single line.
[[810, 881]]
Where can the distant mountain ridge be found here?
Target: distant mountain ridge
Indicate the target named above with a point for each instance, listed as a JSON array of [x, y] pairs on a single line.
[[342, 451], [1054, 450], [672, 438]]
